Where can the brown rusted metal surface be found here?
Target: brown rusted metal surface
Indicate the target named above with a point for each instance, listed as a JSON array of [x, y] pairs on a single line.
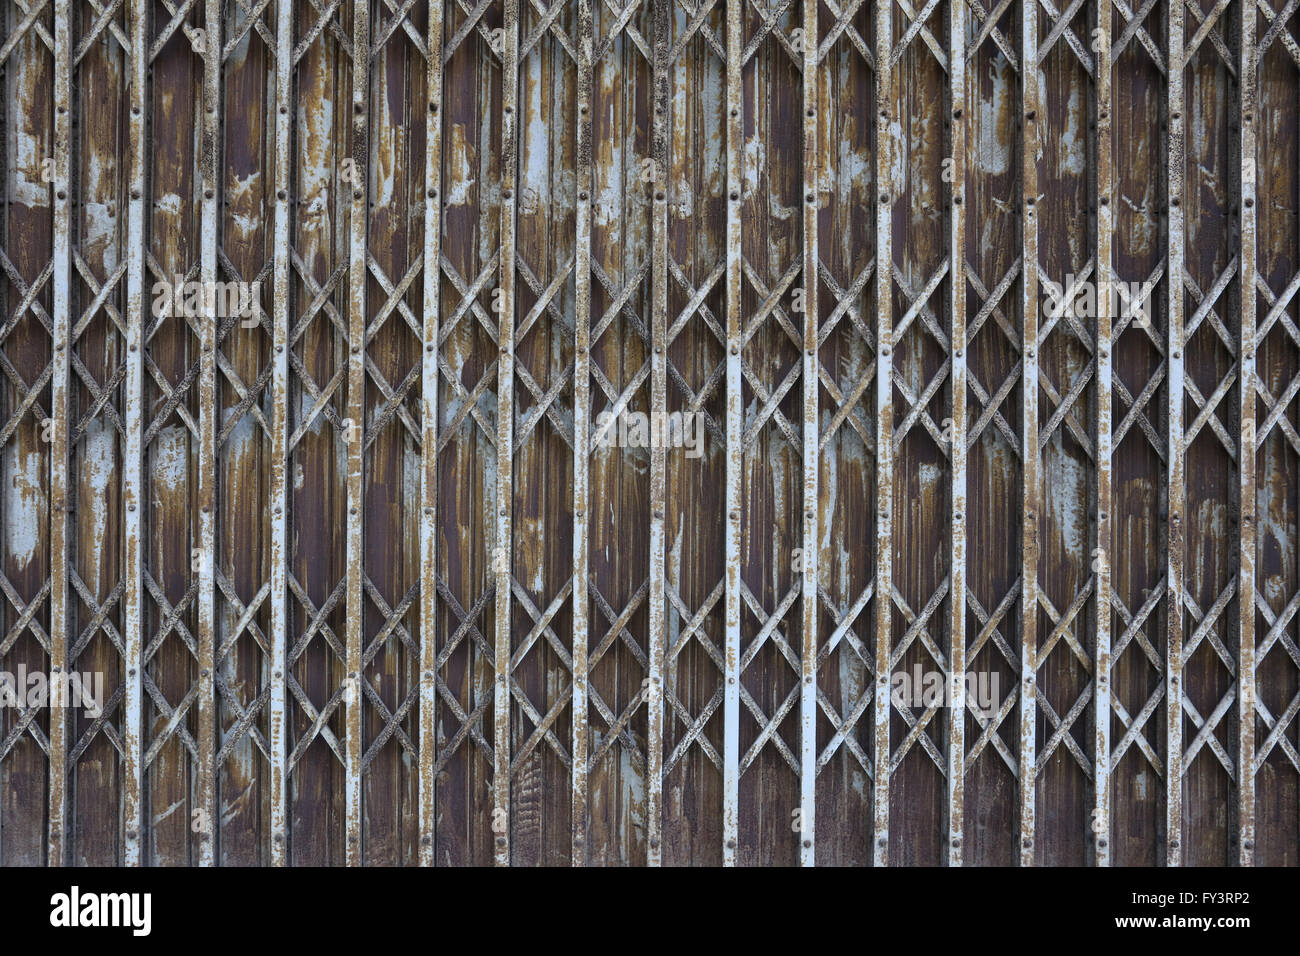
[[375, 571]]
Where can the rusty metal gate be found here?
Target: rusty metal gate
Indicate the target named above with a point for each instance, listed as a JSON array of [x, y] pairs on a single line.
[[625, 406]]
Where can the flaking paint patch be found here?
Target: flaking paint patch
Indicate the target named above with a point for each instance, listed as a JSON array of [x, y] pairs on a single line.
[[26, 186], [1072, 152], [168, 204], [98, 453], [1065, 482], [26, 502], [169, 464], [993, 132], [460, 166]]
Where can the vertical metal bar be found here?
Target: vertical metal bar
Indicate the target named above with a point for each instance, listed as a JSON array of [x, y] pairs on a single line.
[[658, 461], [884, 423], [429, 443], [1246, 589], [209, 164], [133, 458], [957, 503], [735, 452], [59, 663], [357, 425], [1176, 491], [581, 432], [1029, 425], [811, 433], [1100, 823], [280, 436], [505, 427]]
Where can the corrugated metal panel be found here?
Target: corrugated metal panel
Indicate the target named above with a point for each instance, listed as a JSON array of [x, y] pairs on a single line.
[[380, 570]]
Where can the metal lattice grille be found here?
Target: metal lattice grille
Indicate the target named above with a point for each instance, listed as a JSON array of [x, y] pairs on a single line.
[[534, 432]]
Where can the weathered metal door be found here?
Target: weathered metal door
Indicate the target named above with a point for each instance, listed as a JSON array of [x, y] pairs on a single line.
[[661, 431]]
